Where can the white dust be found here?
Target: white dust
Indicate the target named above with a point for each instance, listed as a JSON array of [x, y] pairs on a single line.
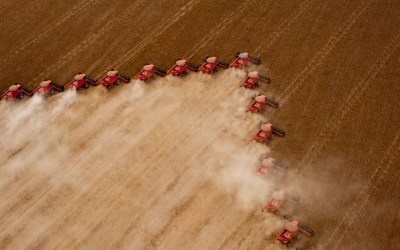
[[84, 140]]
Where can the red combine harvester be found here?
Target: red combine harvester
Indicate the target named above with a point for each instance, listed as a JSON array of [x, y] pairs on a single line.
[[253, 80], [260, 102], [149, 71], [182, 67], [47, 88], [81, 81], [16, 92], [277, 201], [266, 131], [211, 64], [291, 230], [242, 58], [113, 78], [268, 165]]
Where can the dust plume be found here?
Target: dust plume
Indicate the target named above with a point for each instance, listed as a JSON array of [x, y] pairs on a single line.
[[166, 138]]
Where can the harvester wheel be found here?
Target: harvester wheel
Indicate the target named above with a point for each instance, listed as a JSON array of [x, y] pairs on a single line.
[[86, 85], [51, 92], [117, 82], [21, 96]]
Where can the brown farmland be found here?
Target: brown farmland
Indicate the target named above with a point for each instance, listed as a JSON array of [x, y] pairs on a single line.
[[169, 164]]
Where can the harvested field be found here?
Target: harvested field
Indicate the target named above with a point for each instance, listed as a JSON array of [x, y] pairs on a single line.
[[169, 164]]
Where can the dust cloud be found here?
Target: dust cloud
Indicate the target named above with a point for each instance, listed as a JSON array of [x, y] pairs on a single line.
[[182, 132]]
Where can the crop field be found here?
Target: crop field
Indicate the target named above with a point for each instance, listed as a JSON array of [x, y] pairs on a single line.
[[169, 164]]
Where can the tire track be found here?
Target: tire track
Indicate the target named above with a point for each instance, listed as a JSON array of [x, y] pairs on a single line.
[[43, 33], [205, 230], [88, 110], [247, 230], [11, 15], [112, 207], [95, 132], [153, 202], [97, 225], [97, 178], [318, 60], [284, 27], [368, 191], [184, 206], [233, 233], [154, 155], [87, 42], [203, 222], [84, 111], [219, 28], [108, 110], [156, 32], [42, 199], [333, 126]]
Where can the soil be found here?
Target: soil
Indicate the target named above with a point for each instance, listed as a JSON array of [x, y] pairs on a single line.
[[169, 164]]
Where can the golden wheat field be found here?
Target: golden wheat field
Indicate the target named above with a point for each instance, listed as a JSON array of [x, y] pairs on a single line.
[[169, 164]]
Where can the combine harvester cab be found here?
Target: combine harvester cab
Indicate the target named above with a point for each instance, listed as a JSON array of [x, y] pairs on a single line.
[[277, 201], [253, 80], [16, 92], [48, 88], [211, 64], [182, 67], [242, 58], [269, 166], [149, 71], [291, 230], [81, 81], [266, 131], [259, 104], [113, 77]]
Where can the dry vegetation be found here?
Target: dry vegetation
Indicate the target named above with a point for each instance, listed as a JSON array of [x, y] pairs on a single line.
[[169, 165]]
